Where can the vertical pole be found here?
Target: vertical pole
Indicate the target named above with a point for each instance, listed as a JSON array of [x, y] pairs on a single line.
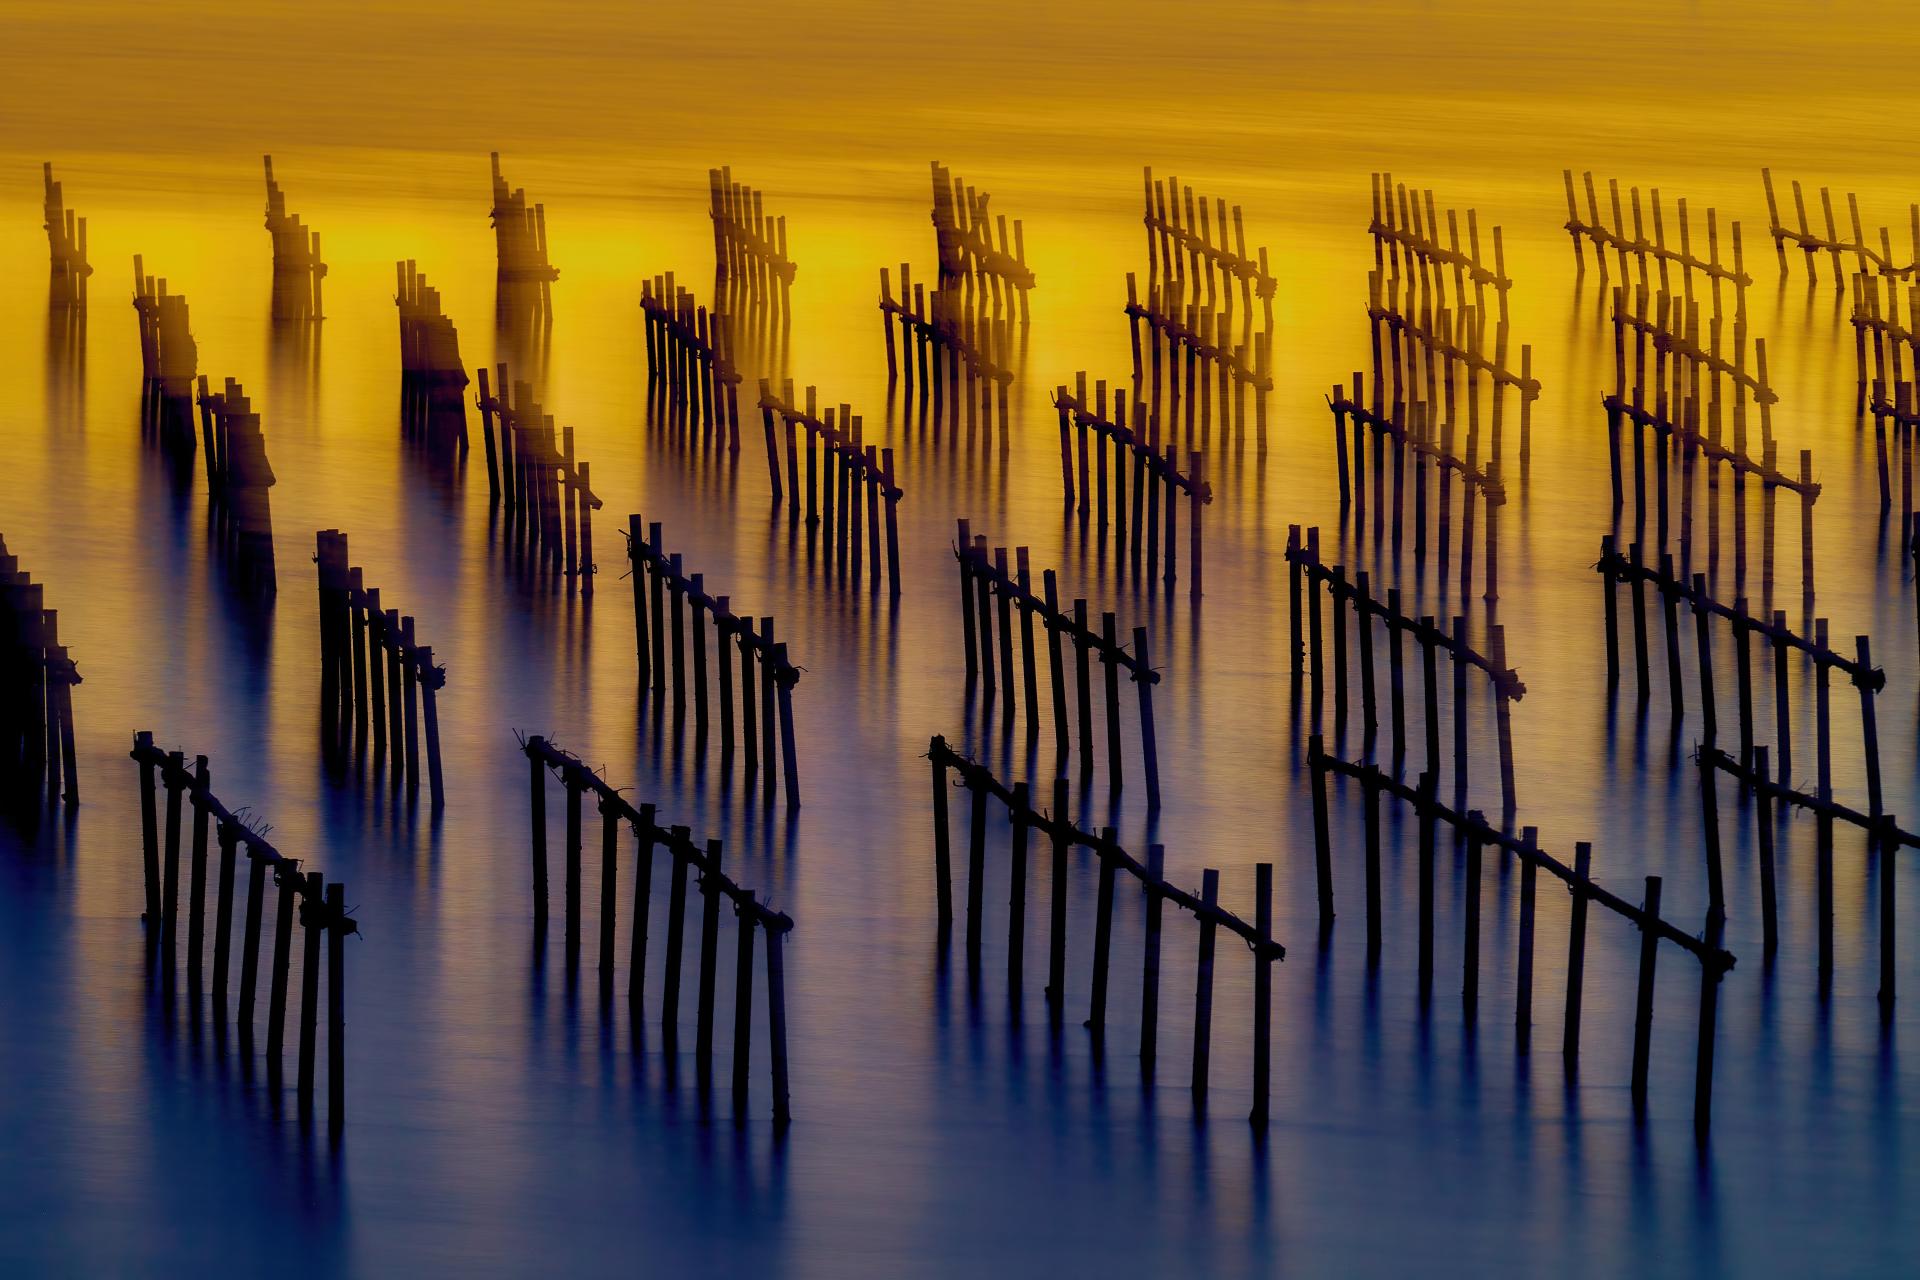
[[1203, 987], [229, 836], [1102, 937], [1150, 963], [676, 936], [1143, 677], [197, 875], [642, 902], [709, 959], [1523, 979], [1322, 845], [1017, 894], [316, 929], [743, 1005], [976, 874], [1470, 950], [1576, 957], [1763, 807], [536, 768], [1643, 1000], [609, 882], [1426, 803], [1057, 906], [942, 839], [250, 947], [777, 1024], [277, 992], [336, 1009], [1262, 992]]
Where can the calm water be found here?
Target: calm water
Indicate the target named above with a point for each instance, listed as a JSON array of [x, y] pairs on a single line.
[[498, 1123]]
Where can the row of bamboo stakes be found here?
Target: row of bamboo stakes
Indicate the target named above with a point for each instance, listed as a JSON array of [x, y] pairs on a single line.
[[531, 468], [433, 381], [1866, 258], [1656, 251], [322, 915], [1687, 391], [1307, 574], [989, 586], [964, 243], [371, 669], [520, 239], [949, 348], [1470, 829], [1631, 569], [705, 863], [238, 479], [748, 243], [297, 266], [66, 246], [1157, 478], [671, 613], [169, 361], [1063, 836], [690, 359], [1193, 277], [844, 474], [37, 676]]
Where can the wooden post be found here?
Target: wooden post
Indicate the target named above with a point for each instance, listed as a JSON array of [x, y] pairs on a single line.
[[942, 839], [277, 992], [1203, 988], [636, 543], [197, 875], [1427, 800], [1149, 748], [642, 900], [1110, 663], [1576, 956], [709, 959], [229, 836], [310, 986], [1869, 731], [1669, 604], [1703, 1047], [1470, 951], [1710, 828], [1196, 481], [1643, 1000], [1763, 807], [1056, 672], [1150, 962], [698, 624], [430, 714], [250, 948], [1022, 809], [1029, 667], [964, 555], [1370, 791], [777, 1025], [1703, 637], [537, 771], [1888, 840], [174, 777], [1322, 845], [336, 1010], [1523, 976], [976, 874], [743, 1004], [609, 882], [1612, 609], [677, 846], [1102, 938], [1262, 992], [1083, 685], [1057, 906]]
